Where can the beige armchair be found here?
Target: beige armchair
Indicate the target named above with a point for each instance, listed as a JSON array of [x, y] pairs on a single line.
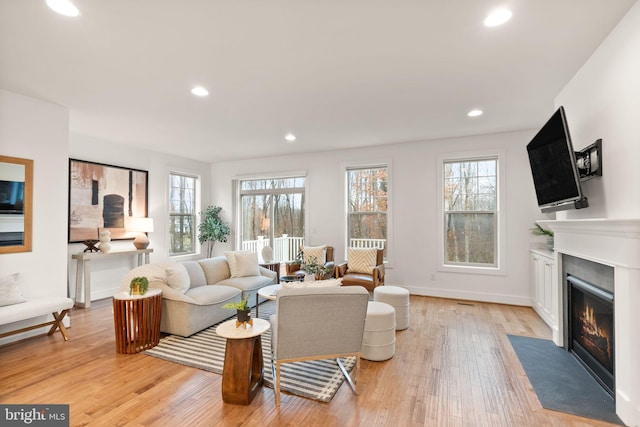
[[294, 267], [318, 323], [370, 278]]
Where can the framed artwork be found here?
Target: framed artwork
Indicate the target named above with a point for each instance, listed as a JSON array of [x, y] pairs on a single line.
[[102, 196]]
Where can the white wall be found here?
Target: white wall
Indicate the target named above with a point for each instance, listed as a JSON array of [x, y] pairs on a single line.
[[414, 245], [603, 101], [107, 274], [38, 130]]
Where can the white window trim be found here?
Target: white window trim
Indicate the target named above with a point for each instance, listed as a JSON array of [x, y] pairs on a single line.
[[198, 209], [500, 268], [345, 166]]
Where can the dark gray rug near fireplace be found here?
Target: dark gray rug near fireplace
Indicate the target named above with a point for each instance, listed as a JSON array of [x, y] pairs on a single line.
[[560, 381]]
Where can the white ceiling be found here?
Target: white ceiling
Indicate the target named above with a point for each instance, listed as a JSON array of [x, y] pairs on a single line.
[[337, 73]]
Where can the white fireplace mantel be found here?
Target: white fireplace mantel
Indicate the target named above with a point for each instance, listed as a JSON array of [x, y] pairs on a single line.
[[616, 243]]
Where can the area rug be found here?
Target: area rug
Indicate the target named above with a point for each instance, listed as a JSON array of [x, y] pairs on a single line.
[[318, 380], [561, 382]]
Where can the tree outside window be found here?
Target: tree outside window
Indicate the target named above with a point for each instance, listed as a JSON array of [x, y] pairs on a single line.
[[367, 190], [470, 212], [182, 214]]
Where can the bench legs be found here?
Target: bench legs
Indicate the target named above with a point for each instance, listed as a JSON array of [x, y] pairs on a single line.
[[55, 324]]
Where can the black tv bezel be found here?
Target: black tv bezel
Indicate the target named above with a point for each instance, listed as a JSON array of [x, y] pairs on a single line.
[[574, 202]]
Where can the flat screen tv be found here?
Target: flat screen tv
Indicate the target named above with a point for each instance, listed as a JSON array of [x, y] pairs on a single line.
[[553, 166], [11, 197]]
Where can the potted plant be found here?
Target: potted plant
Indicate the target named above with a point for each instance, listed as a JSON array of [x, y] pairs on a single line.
[[242, 309], [312, 266], [139, 286], [212, 229], [537, 230]]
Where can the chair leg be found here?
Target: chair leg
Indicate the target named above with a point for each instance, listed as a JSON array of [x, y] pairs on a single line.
[[352, 383], [276, 384]]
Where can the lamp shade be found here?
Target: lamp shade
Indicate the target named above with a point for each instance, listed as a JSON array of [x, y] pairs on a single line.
[[143, 225]]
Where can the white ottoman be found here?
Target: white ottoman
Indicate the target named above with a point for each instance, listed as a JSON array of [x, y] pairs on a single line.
[[379, 339], [398, 298]]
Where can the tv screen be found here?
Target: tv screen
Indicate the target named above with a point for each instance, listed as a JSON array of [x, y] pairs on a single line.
[[553, 166], [11, 197]]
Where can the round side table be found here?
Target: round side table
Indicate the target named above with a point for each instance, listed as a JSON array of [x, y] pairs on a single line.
[[136, 319], [243, 372]]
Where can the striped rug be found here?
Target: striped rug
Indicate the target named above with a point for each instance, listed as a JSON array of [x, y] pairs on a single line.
[[319, 380]]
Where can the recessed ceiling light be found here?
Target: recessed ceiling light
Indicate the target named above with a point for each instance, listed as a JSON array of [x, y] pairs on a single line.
[[290, 137], [199, 91], [497, 17], [475, 113], [63, 7]]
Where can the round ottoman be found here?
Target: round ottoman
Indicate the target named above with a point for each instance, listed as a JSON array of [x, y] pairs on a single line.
[[379, 339], [398, 298]]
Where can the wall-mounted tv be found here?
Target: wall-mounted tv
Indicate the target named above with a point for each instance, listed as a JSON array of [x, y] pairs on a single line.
[[11, 197], [553, 166]]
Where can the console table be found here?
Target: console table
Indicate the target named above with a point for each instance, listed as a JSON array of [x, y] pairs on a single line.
[[83, 270]]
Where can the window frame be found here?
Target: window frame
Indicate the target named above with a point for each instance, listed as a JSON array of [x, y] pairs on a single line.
[[499, 268], [385, 163], [196, 213]]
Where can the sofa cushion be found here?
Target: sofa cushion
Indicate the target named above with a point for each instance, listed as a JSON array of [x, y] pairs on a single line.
[[246, 265], [10, 291], [196, 275], [248, 284], [178, 277], [317, 252], [212, 294], [361, 260], [215, 269]]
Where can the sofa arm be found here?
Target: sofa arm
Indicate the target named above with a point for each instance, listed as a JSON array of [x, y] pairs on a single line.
[[378, 275], [341, 269], [268, 273], [292, 267]]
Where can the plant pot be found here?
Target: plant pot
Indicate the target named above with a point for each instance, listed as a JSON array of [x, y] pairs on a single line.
[[244, 315]]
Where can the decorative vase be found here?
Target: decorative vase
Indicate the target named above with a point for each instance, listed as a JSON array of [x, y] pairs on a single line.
[[105, 239], [550, 243]]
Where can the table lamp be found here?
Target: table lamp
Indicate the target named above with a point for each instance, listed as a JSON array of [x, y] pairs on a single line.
[[140, 226]]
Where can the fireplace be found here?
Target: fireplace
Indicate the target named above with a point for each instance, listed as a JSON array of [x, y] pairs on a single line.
[[591, 329]]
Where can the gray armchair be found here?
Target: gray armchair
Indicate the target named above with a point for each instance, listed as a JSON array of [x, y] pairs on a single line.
[[318, 323]]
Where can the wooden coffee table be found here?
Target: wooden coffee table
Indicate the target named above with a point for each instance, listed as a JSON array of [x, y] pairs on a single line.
[[243, 372]]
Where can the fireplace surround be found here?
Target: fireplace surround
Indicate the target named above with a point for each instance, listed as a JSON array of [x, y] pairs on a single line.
[[614, 243]]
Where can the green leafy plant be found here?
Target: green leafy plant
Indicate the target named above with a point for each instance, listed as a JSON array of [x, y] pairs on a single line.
[[537, 230], [312, 266], [212, 229], [139, 285], [237, 305]]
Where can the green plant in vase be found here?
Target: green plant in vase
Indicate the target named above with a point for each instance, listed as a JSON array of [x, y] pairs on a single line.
[[537, 230], [243, 311], [139, 286], [312, 266]]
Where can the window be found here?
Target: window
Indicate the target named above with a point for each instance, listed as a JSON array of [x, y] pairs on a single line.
[[272, 214], [182, 214], [367, 204], [470, 212]]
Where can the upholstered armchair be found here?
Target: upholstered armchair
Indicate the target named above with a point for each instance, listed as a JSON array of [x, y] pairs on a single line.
[[318, 323], [364, 267], [321, 253]]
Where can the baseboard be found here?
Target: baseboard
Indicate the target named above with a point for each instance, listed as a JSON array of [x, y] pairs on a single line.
[[470, 296]]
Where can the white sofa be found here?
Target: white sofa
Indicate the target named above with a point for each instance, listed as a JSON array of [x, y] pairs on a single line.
[[193, 292]]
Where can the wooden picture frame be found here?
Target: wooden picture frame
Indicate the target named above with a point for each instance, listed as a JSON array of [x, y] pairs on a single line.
[[101, 196]]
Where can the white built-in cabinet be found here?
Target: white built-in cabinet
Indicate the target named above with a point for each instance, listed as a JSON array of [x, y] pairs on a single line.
[[542, 263]]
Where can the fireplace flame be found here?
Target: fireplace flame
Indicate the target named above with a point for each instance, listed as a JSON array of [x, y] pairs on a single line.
[[590, 326]]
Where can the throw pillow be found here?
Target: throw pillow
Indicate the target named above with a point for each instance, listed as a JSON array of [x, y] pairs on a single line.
[[247, 264], [362, 260], [10, 292], [241, 263], [319, 252], [177, 277]]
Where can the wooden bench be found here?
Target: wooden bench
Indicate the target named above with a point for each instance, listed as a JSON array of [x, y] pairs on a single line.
[[58, 307]]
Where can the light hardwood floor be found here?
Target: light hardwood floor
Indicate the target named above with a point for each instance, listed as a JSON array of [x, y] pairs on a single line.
[[454, 366]]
